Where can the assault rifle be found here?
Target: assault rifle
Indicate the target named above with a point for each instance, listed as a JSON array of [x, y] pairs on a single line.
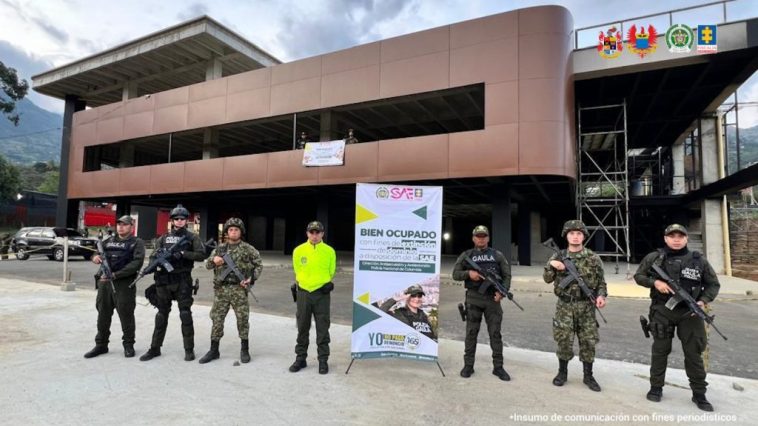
[[231, 268], [491, 278], [162, 260], [680, 294], [573, 275], [105, 271]]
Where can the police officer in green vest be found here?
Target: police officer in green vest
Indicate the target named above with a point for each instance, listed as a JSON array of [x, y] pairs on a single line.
[[697, 277], [485, 304], [314, 263]]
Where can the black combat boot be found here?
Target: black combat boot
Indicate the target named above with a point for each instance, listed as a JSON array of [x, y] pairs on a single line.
[[298, 365], [589, 380], [128, 350], [189, 354], [97, 350], [501, 373], [212, 354], [702, 403], [150, 354], [245, 352], [654, 394], [323, 367], [562, 376], [467, 371]]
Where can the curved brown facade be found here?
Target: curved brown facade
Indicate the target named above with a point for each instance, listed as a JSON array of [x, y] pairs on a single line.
[[521, 57]]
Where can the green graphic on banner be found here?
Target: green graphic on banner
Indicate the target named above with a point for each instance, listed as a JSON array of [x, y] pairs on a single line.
[[362, 316], [421, 212]]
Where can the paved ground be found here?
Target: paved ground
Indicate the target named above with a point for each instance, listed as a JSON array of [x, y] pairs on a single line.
[[621, 338], [45, 380]]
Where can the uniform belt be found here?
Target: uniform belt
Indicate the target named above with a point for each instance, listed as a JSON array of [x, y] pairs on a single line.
[[569, 299]]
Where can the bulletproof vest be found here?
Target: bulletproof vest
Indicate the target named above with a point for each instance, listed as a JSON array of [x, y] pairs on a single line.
[[173, 237], [119, 252], [487, 260], [687, 269]]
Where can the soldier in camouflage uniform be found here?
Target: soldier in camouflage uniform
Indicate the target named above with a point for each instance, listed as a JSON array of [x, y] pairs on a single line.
[[574, 313], [696, 276], [230, 291], [485, 304]]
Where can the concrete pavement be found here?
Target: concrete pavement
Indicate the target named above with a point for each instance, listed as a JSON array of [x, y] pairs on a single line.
[[45, 332]]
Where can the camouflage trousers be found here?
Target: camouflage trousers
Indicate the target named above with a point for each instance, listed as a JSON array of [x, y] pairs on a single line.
[[233, 296], [575, 318]]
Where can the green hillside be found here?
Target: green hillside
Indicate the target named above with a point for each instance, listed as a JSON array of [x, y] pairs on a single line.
[[37, 138]]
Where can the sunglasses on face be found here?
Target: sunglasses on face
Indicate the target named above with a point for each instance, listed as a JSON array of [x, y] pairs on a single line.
[[314, 231], [419, 296], [180, 218]]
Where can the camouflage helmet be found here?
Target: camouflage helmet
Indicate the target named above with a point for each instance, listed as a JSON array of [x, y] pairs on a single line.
[[236, 222], [574, 225], [179, 211]]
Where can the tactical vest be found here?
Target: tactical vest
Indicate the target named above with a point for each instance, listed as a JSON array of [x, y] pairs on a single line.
[[687, 269], [487, 260], [173, 237], [119, 252]]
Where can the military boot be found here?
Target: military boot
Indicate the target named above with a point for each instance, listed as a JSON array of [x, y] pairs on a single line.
[[150, 354], [589, 380], [562, 376], [654, 394], [702, 403], [128, 350], [97, 350], [212, 354], [298, 365], [189, 354], [245, 352], [501, 374], [467, 371]]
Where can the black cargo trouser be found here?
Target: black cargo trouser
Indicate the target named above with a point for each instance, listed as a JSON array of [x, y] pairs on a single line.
[[478, 305], [690, 330], [124, 301], [169, 287], [314, 305]]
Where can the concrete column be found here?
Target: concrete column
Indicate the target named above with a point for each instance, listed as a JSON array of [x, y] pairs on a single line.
[[67, 210], [710, 210], [713, 241], [322, 214], [208, 223], [210, 144], [677, 159], [709, 150], [524, 235], [126, 155], [129, 91], [539, 253], [213, 69], [256, 231], [329, 128], [500, 234]]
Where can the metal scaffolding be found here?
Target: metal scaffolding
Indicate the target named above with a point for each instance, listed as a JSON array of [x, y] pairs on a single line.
[[602, 193]]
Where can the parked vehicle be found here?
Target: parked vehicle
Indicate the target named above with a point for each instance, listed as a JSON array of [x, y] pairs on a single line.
[[48, 241]]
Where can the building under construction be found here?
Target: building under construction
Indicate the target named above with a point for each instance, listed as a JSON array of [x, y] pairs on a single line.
[[522, 129]]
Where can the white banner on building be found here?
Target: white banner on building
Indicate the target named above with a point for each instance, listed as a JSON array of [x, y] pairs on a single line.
[[397, 271], [331, 153]]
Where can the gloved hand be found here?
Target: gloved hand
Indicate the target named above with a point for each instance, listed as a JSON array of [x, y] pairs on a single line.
[[178, 255]]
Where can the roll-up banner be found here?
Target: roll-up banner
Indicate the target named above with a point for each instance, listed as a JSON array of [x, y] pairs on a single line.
[[397, 271]]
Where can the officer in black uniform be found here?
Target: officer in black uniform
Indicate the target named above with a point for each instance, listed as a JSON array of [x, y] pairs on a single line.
[[176, 285], [125, 254], [487, 304], [696, 276]]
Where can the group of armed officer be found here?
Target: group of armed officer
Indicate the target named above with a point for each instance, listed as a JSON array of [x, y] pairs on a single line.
[[314, 265], [575, 308]]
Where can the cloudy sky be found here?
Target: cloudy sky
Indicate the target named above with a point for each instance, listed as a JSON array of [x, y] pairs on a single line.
[[38, 35]]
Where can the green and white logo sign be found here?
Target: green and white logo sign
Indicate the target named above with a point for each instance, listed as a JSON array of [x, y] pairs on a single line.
[[680, 39]]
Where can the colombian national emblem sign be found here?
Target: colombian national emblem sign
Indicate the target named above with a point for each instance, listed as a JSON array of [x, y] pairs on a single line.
[[610, 44], [680, 38], [640, 42]]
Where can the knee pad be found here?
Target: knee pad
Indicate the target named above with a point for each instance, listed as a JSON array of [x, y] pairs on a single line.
[[186, 316]]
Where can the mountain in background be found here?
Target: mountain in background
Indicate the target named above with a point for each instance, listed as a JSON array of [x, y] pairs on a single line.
[[37, 138]]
